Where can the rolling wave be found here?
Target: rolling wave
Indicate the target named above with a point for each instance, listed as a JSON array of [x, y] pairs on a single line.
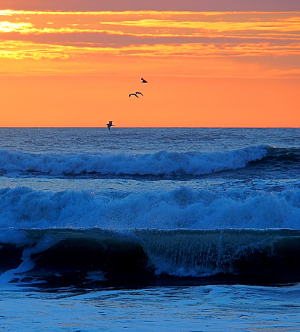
[[72, 257], [281, 156], [162, 163], [23, 207]]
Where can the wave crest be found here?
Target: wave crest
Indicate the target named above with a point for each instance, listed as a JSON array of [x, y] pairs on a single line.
[[181, 208], [157, 164]]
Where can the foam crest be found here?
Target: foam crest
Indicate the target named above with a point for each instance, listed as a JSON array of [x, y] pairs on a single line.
[[160, 163], [23, 207]]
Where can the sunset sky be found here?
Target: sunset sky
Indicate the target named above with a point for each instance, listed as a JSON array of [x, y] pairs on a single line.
[[210, 63]]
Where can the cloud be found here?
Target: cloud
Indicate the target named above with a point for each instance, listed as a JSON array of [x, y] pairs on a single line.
[[122, 5], [83, 37], [6, 26], [158, 33]]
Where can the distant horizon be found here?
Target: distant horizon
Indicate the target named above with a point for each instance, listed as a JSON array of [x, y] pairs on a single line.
[[104, 127]]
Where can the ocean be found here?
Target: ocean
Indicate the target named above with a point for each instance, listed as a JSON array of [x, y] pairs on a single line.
[[150, 229]]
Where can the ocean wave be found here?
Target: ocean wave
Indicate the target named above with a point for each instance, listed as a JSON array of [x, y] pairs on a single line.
[[184, 207], [145, 257], [162, 163], [282, 156]]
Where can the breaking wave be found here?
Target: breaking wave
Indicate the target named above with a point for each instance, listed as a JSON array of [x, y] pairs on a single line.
[[157, 164], [23, 207], [147, 257], [148, 237]]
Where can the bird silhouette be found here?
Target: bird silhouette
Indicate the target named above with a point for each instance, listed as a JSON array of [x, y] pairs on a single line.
[[139, 93], [133, 94], [143, 80], [109, 124]]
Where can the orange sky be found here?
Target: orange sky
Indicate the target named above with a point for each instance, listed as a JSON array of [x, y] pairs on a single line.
[[205, 69]]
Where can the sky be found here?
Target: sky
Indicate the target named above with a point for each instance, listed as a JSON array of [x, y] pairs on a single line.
[[208, 63]]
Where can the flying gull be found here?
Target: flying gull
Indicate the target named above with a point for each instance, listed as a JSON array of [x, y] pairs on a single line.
[[109, 124], [133, 94]]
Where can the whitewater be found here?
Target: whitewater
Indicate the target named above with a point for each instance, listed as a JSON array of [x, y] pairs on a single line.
[[148, 229]]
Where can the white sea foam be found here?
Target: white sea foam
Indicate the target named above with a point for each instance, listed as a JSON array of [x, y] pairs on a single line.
[[23, 207], [142, 164]]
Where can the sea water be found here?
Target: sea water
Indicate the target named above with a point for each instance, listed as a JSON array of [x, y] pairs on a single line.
[[143, 229]]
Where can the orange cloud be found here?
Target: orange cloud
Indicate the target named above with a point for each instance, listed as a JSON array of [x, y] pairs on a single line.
[[222, 69], [86, 38]]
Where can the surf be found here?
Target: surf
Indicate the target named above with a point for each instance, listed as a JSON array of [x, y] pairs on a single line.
[[184, 207], [137, 257], [162, 163]]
